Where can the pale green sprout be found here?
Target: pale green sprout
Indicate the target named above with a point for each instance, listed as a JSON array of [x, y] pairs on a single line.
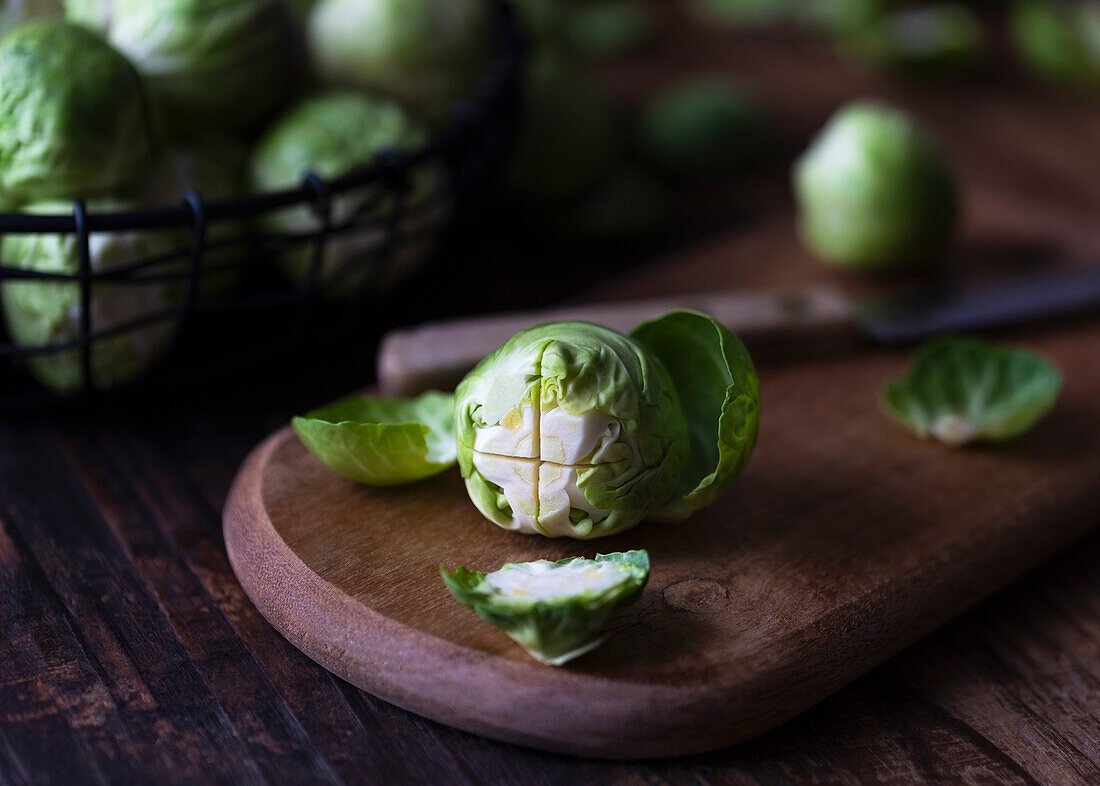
[[208, 64], [40, 312], [73, 116], [573, 430], [382, 441], [426, 53], [1059, 40], [331, 134], [874, 191], [961, 390], [556, 611]]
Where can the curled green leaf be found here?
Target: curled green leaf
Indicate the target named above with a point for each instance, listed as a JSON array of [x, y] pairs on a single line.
[[961, 390], [554, 610], [382, 441]]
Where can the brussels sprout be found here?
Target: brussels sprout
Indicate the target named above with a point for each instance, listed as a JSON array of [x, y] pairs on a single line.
[[12, 12], [929, 40], [554, 610], [382, 441], [330, 135], [705, 128], [73, 118], [426, 53], [1059, 41], [874, 191], [567, 136], [571, 429], [744, 13], [611, 28], [208, 64], [959, 390], [215, 169], [39, 313]]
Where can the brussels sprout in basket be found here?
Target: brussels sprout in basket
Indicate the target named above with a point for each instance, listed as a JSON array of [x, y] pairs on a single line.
[[73, 116], [43, 312]]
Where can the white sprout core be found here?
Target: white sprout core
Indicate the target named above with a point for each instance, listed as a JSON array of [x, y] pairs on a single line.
[[543, 580], [535, 459], [954, 430]]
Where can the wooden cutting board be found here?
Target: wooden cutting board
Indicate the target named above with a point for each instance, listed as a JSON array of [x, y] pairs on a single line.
[[844, 541]]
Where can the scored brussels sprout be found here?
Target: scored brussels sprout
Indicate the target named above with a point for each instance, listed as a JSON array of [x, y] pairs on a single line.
[[929, 40], [43, 312], [330, 135], [1059, 40], [567, 136], [556, 611], [73, 117], [426, 53], [208, 64], [215, 169], [705, 128], [572, 429], [960, 390], [874, 191], [382, 441], [611, 28]]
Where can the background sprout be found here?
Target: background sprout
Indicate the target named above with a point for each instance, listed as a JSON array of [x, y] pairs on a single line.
[[705, 128], [1059, 41], [745, 13], [554, 610], [611, 28], [382, 441], [73, 117], [332, 134], [426, 53], [567, 137], [928, 40], [874, 191], [569, 429], [38, 313], [959, 390], [625, 205], [209, 64]]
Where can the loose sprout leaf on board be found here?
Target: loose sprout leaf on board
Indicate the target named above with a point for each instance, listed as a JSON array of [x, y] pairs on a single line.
[[554, 610], [382, 441], [960, 390]]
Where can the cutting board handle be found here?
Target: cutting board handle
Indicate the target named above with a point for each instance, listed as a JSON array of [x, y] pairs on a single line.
[[437, 354]]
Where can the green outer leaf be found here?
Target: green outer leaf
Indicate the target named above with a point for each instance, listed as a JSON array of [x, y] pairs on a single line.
[[720, 395], [382, 441], [962, 389], [552, 631]]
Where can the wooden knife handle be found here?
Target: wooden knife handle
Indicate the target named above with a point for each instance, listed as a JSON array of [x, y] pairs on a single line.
[[437, 354]]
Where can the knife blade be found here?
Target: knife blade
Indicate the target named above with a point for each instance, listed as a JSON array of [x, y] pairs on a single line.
[[437, 354]]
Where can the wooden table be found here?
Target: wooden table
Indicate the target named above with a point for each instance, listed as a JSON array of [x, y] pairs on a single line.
[[130, 654]]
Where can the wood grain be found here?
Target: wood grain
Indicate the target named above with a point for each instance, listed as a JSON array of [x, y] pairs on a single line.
[[845, 541]]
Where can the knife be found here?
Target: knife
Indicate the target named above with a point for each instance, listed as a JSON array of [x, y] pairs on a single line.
[[437, 354]]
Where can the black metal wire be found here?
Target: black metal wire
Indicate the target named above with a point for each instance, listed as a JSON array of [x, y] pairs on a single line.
[[468, 146]]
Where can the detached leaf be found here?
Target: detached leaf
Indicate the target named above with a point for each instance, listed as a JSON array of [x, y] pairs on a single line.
[[382, 441], [960, 390], [720, 396], [554, 610]]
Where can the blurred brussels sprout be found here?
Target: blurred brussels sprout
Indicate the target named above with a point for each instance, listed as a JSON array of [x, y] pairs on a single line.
[[874, 191], [42, 312], [839, 16], [330, 135], [209, 65], [960, 390], [611, 28], [927, 40], [624, 205], [571, 429], [567, 135], [426, 53], [744, 13], [12, 12], [542, 20], [556, 611], [73, 117], [1059, 41], [215, 169], [705, 128]]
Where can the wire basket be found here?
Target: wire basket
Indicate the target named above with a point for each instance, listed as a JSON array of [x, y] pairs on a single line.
[[383, 237]]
